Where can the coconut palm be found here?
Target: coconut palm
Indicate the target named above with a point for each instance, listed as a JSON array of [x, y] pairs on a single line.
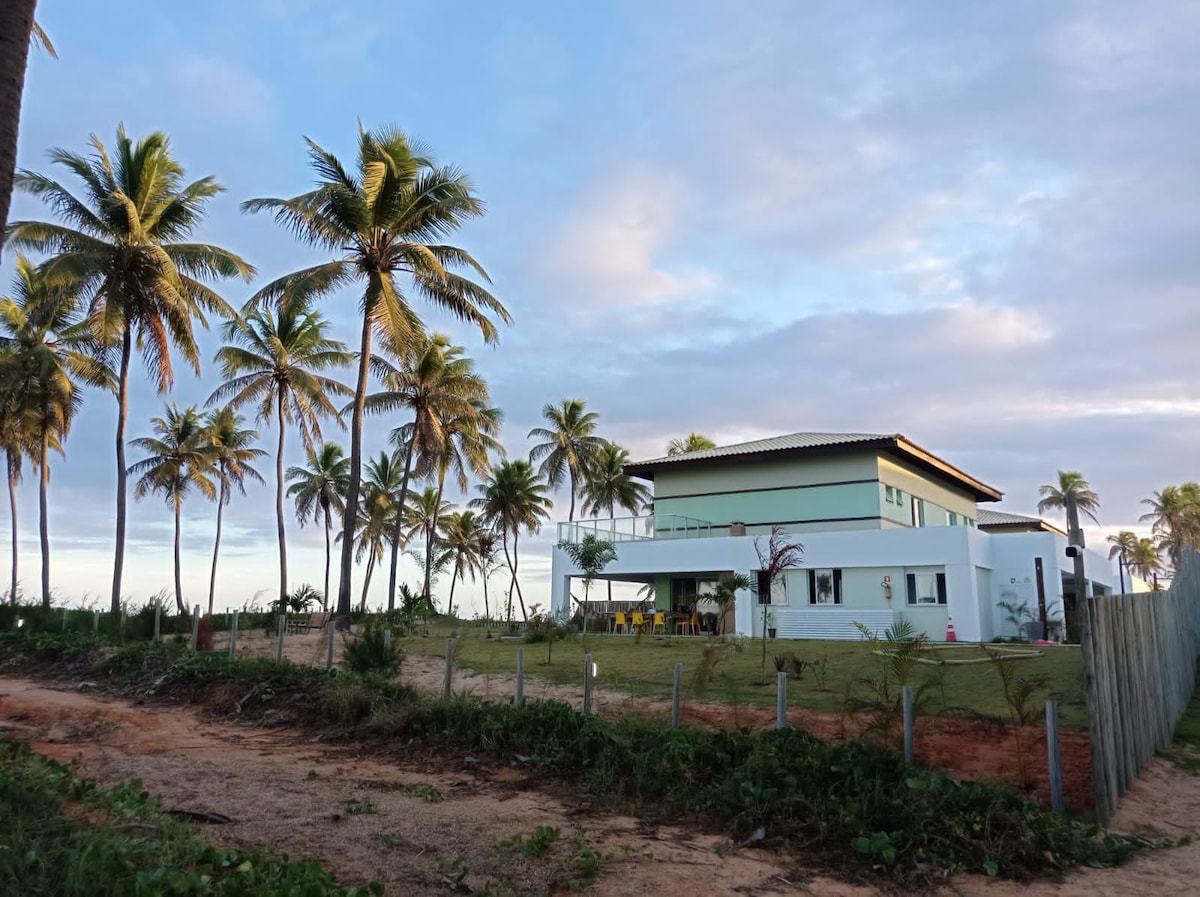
[[384, 219], [274, 362], [608, 487], [14, 438], [1144, 560], [180, 456], [483, 558], [123, 246], [1070, 483], [48, 354], [1122, 545], [319, 487], [233, 452], [514, 499], [421, 513], [1174, 516], [570, 446], [693, 442], [461, 537], [426, 375], [16, 26], [374, 523]]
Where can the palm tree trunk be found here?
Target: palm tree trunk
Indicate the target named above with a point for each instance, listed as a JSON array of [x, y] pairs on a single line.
[[430, 534], [1121, 571], [44, 515], [328, 526], [453, 580], [517, 582], [279, 502], [212, 579], [351, 513], [571, 512], [122, 414], [16, 25], [487, 612], [512, 579], [13, 461], [391, 605], [367, 582], [178, 576]]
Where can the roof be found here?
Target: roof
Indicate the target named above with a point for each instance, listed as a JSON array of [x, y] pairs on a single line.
[[1001, 521], [801, 444]]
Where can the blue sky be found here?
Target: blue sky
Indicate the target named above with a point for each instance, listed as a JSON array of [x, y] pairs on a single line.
[[973, 224]]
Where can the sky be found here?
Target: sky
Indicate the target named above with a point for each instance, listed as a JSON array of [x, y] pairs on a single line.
[[973, 224]]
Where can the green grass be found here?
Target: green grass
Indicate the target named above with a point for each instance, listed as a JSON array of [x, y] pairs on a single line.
[[644, 665], [66, 837]]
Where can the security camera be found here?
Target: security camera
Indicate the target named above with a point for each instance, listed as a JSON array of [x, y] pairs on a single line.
[[1074, 551]]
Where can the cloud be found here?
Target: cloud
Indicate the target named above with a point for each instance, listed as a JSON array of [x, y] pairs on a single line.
[[219, 89], [615, 247]]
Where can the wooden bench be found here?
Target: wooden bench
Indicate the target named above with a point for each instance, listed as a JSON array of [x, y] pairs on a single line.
[[316, 621]]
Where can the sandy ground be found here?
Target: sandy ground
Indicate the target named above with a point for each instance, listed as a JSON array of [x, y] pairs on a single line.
[[414, 827]]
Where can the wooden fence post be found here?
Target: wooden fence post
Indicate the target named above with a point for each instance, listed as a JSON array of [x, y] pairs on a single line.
[[909, 744], [675, 688]]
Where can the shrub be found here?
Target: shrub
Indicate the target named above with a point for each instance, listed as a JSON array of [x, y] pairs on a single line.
[[369, 651]]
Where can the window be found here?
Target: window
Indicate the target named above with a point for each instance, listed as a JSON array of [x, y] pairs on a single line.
[[825, 586], [768, 592], [918, 512], [926, 588], [953, 518], [889, 494], [900, 498]]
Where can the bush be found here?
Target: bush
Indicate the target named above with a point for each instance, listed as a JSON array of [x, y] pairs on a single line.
[[370, 652]]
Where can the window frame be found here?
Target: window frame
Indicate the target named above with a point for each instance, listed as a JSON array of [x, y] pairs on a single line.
[[838, 595], [941, 597]]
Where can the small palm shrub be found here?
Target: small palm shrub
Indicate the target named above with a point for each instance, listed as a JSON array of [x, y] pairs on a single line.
[[370, 653]]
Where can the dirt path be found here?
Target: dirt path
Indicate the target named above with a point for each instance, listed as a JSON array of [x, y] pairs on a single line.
[[413, 828]]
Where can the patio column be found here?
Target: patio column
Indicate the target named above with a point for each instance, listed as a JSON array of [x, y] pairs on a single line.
[[560, 595]]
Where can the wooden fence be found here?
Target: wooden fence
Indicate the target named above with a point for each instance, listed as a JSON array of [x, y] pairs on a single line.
[[1139, 655]]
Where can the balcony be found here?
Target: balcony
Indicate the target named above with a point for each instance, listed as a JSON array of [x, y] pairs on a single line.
[[640, 529]]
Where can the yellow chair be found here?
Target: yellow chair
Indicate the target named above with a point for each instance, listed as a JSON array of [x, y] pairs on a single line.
[[660, 623], [639, 620], [619, 623], [690, 626]]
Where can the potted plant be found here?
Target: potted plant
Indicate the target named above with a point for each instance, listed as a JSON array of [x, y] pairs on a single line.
[[770, 624]]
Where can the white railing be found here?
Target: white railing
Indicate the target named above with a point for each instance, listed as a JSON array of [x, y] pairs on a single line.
[[639, 529]]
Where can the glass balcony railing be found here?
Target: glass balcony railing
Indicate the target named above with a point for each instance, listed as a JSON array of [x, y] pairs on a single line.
[[639, 529]]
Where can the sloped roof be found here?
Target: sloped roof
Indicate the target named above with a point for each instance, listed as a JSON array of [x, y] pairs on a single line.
[[799, 444], [999, 520]]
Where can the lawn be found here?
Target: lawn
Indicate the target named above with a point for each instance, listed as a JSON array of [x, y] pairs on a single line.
[[643, 666]]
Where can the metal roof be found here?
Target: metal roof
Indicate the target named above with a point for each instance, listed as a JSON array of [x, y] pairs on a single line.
[[794, 444], [986, 518]]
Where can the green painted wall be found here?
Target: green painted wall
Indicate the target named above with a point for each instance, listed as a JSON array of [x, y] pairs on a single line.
[[913, 482], [778, 505], [764, 475]]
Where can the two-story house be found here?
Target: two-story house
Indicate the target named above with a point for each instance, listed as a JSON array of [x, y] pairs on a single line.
[[889, 531]]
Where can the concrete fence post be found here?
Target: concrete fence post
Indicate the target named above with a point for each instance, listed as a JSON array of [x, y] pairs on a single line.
[[95, 621], [233, 632], [675, 688], [1054, 757], [588, 668], [448, 684], [909, 744], [196, 628], [520, 677], [157, 621], [281, 627], [329, 649], [781, 701]]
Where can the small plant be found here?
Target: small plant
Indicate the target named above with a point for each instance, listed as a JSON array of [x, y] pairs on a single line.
[[359, 806], [585, 864], [427, 793], [798, 666], [1020, 694], [897, 655], [782, 660], [370, 651], [537, 843], [714, 653]]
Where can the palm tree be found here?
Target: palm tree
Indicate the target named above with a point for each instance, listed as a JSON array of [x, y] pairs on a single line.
[[232, 454], [1175, 518], [1070, 483], [123, 247], [483, 558], [320, 485], [1122, 547], [693, 442], [514, 499], [374, 522], [14, 437], [181, 455], [1145, 561], [570, 447], [461, 537], [47, 352], [608, 487], [274, 363], [382, 220], [437, 383], [16, 26], [422, 512]]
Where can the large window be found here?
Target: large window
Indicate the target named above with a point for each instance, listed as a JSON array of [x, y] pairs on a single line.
[[768, 592], [926, 588], [825, 586]]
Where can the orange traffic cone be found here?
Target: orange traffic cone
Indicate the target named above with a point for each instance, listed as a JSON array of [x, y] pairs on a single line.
[[950, 636]]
